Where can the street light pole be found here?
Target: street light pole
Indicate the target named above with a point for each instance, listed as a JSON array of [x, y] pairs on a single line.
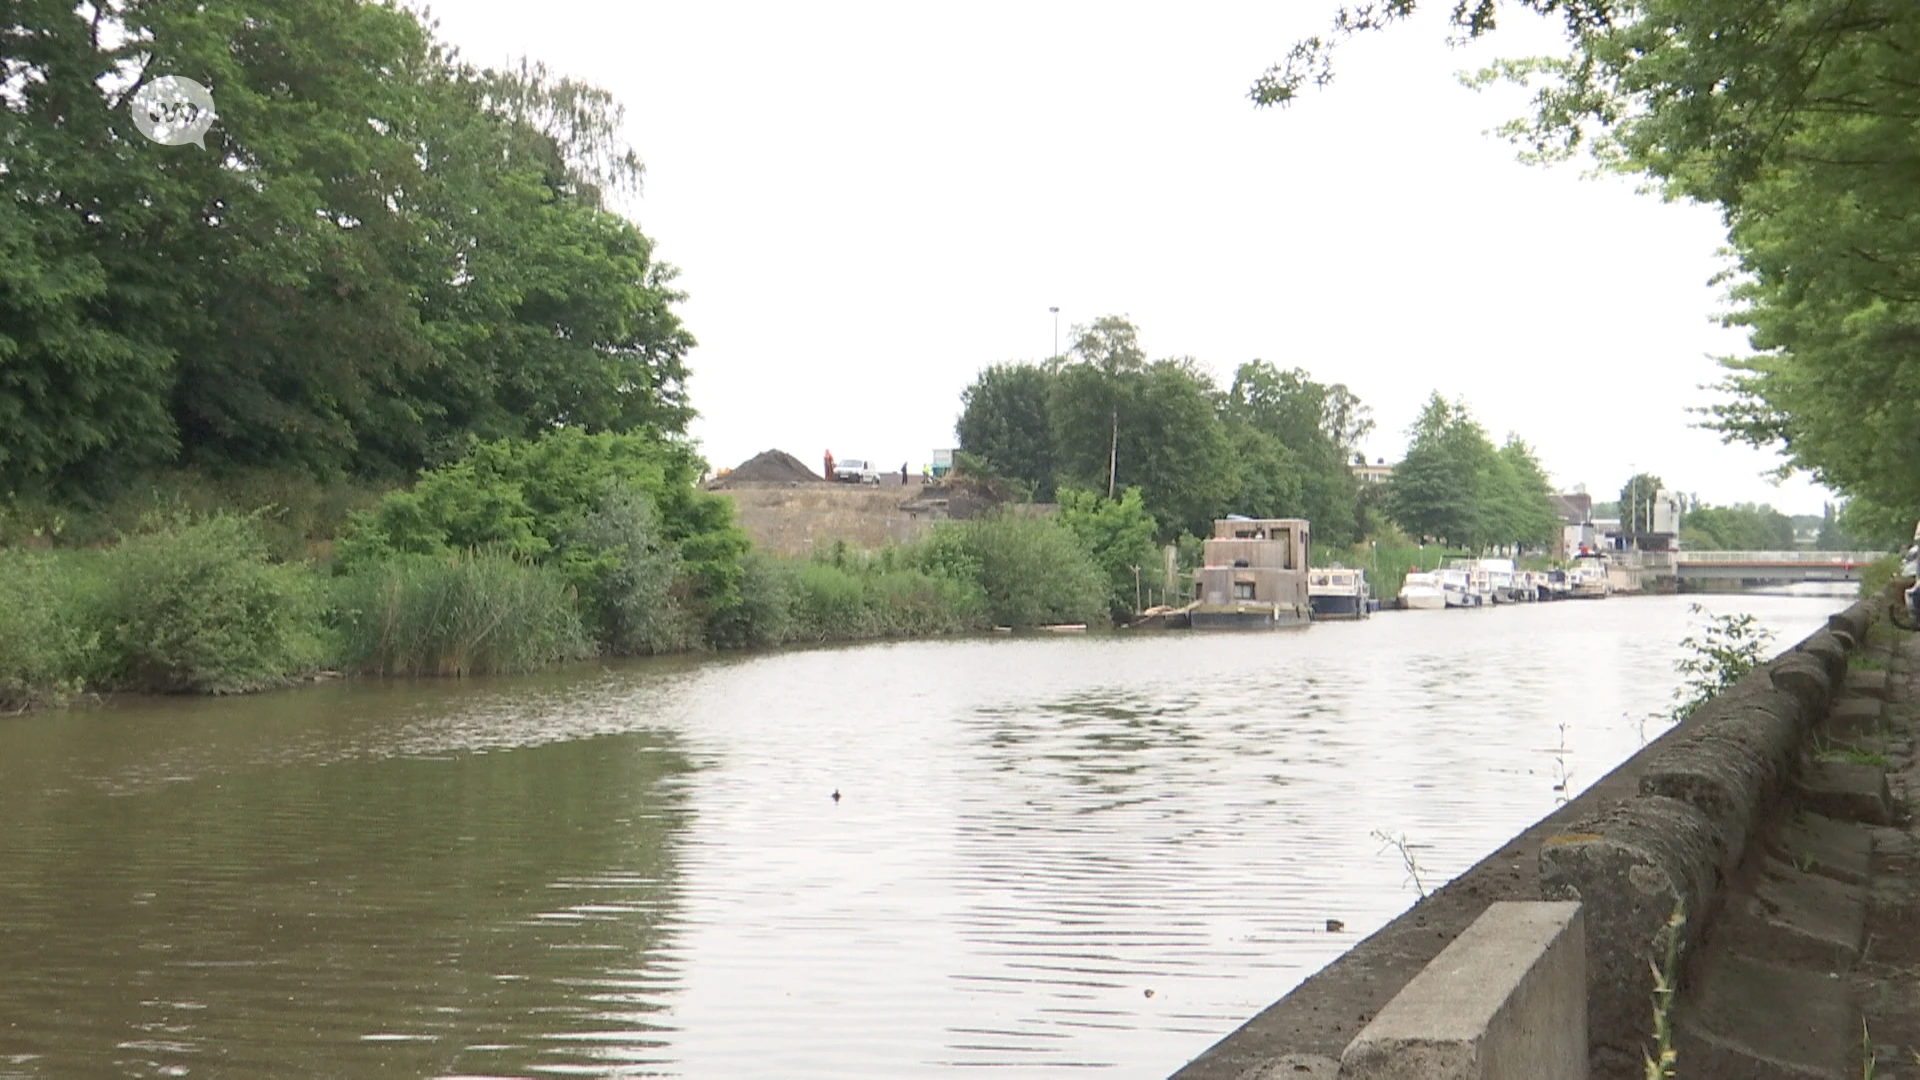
[[1056, 330]]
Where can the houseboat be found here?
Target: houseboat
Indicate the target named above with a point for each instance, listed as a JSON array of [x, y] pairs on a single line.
[[1338, 593], [1422, 591], [1253, 573]]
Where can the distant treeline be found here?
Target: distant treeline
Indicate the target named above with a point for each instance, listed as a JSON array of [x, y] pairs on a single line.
[[1272, 443]]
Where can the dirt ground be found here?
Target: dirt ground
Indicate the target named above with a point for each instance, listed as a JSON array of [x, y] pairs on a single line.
[[794, 519]]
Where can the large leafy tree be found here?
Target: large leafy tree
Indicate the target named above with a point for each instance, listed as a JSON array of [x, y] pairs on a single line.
[[1431, 493], [381, 253], [1636, 497], [1120, 421], [1456, 487], [1004, 421], [1519, 513], [1319, 425]]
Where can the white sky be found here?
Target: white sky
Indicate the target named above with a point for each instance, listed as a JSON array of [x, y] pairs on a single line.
[[870, 202]]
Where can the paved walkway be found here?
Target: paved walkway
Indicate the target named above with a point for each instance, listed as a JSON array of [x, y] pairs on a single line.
[[1887, 980]]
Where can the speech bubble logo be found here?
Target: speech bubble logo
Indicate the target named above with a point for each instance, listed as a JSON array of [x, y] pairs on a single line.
[[173, 111]]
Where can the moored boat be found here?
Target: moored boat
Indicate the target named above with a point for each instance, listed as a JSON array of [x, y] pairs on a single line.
[[1253, 575], [1588, 578], [1422, 592], [1456, 585], [1338, 593]]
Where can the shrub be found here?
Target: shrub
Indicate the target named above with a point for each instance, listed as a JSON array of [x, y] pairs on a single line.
[[761, 613], [625, 571], [1030, 571], [1729, 646], [202, 609], [48, 645], [466, 614], [1118, 534], [1878, 574]]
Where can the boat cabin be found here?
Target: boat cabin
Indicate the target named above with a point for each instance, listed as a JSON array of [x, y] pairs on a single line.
[[1253, 572]]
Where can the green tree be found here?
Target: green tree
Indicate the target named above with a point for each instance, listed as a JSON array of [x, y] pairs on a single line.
[[1431, 493], [1092, 392], [1636, 499], [1119, 421], [382, 252], [1321, 427], [1742, 527], [1118, 533], [1517, 498], [1004, 422]]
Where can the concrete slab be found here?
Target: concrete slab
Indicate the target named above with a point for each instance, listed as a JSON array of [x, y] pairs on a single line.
[[1506, 1000], [1748, 1020], [1855, 716], [1800, 919], [1867, 682], [1846, 792], [1840, 850]]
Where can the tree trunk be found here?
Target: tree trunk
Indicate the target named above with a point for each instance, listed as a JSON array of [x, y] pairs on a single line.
[[1113, 454]]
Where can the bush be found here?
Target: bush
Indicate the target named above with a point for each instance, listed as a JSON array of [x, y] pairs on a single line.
[[1878, 574], [472, 614], [761, 613], [527, 496], [1118, 534], [201, 609], [49, 647], [625, 572], [1030, 571]]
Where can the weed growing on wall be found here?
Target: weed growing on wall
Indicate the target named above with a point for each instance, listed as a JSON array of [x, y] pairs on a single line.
[[1661, 1061], [1726, 648]]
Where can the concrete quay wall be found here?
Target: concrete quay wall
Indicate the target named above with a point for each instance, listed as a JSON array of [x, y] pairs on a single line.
[[1665, 829]]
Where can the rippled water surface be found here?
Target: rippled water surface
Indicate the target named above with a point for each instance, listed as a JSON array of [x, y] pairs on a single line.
[[1052, 856]]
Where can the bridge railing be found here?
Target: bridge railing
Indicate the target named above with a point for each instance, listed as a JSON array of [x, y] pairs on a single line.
[[1817, 558]]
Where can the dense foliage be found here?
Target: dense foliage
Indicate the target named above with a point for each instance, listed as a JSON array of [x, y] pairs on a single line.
[[1455, 486], [1104, 418], [1742, 527], [381, 252]]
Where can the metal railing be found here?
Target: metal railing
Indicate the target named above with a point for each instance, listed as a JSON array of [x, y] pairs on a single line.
[[1749, 558]]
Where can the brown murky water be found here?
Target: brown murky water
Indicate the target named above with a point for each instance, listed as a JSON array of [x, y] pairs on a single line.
[[1051, 857]]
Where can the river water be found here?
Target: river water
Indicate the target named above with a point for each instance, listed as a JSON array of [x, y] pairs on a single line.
[[1052, 856]]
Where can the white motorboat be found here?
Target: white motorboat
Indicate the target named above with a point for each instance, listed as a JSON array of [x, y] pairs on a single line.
[[1422, 592], [1457, 586], [1338, 593], [1500, 576], [1588, 578]]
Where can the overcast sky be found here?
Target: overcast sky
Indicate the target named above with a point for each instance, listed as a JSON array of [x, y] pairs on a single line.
[[870, 202]]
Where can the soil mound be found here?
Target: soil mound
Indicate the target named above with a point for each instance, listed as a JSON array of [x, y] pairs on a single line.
[[771, 467]]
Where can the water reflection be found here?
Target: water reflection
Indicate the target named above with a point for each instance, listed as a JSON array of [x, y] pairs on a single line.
[[366, 914], [1051, 855]]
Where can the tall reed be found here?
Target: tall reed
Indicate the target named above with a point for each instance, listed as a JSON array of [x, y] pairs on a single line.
[[475, 613]]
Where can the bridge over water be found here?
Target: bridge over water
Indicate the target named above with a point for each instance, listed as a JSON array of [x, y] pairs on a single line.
[[1759, 565]]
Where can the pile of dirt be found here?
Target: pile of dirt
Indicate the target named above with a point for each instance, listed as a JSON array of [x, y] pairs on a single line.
[[772, 467]]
